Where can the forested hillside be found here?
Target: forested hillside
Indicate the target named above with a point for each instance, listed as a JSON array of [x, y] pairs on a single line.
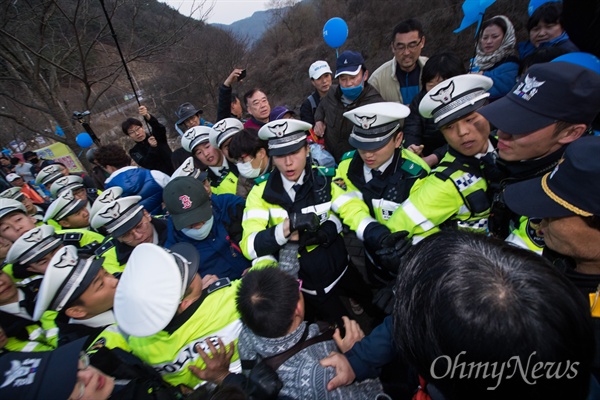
[[58, 56]]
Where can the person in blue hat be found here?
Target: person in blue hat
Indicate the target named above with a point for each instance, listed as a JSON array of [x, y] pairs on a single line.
[[353, 91], [552, 106]]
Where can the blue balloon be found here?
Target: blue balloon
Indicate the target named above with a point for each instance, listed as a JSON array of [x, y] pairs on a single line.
[[534, 4], [84, 140], [335, 32], [473, 11], [586, 60]]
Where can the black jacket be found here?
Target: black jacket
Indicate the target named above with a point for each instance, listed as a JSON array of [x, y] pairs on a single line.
[[331, 111], [423, 131], [307, 112], [159, 157]]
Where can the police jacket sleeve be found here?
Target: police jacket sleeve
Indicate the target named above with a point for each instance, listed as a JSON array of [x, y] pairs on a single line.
[[258, 238], [347, 202], [431, 202], [368, 356]]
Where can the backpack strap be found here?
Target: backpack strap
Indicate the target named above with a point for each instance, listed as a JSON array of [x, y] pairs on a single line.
[[313, 103]]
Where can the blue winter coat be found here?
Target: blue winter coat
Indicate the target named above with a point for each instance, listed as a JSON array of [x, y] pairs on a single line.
[[140, 182]]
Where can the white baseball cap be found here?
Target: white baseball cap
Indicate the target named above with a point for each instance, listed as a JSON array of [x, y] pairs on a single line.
[[318, 68]]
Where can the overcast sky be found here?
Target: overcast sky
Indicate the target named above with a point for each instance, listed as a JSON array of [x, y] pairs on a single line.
[[224, 11]]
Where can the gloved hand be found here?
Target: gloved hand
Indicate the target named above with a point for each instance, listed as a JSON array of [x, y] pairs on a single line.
[[374, 235], [234, 227], [324, 236], [393, 248], [384, 298], [304, 222]]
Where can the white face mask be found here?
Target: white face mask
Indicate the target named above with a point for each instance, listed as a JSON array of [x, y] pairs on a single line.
[[201, 233], [247, 171]]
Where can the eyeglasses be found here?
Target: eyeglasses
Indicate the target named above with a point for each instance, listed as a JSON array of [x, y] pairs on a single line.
[[411, 46], [134, 130], [83, 363], [138, 229]]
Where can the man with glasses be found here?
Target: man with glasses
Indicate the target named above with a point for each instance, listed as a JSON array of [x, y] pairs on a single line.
[[151, 151], [400, 78]]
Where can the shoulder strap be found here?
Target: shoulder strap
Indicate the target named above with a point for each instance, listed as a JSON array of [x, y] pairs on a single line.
[[276, 360], [313, 103]]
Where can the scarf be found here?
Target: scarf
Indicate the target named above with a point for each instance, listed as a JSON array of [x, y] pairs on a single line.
[[506, 49]]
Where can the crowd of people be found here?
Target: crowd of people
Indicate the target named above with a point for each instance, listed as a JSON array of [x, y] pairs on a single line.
[[222, 269]]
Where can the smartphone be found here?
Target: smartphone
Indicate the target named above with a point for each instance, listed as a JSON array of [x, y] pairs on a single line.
[[242, 75]]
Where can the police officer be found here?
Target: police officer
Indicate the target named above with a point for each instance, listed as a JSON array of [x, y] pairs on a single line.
[[168, 309], [551, 106], [455, 193], [223, 175], [288, 214], [16, 314], [32, 209], [220, 136], [82, 293], [68, 212], [48, 175], [379, 172], [76, 185], [15, 223], [127, 224]]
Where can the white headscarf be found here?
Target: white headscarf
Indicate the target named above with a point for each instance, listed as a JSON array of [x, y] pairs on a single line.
[[507, 48]]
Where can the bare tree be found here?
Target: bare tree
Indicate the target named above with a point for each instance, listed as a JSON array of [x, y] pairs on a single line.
[[57, 56]]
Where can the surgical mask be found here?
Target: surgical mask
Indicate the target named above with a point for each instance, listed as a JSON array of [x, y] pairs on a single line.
[[200, 233], [247, 171], [353, 92]]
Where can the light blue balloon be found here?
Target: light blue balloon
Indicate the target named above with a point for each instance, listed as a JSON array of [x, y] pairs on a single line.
[[534, 4], [84, 140], [586, 60], [335, 32], [59, 131], [473, 11]]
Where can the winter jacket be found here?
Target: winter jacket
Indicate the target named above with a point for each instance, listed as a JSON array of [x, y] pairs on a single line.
[[140, 182], [159, 157], [338, 128]]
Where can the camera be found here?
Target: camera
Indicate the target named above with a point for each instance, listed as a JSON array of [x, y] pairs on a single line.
[[78, 115]]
